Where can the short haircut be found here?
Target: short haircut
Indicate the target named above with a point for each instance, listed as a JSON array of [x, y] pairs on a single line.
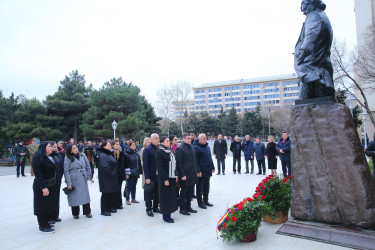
[[201, 135], [131, 142], [191, 131], [285, 132], [185, 135], [236, 137], [247, 136], [153, 135]]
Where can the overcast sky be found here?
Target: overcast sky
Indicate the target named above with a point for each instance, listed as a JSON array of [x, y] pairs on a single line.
[[152, 43]]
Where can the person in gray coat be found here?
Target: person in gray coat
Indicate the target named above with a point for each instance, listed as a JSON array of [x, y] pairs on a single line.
[[77, 172], [260, 154]]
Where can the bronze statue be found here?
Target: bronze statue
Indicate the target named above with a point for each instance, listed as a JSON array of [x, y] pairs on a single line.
[[312, 53]]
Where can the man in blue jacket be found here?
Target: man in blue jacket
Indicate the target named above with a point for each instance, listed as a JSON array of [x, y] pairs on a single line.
[[247, 147], [206, 167], [260, 153], [283, 147], [149, 168]]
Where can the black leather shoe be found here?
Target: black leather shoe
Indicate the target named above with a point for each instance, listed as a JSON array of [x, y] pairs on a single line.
[[202, 206], [149, 213], [169, 221], [47, 230], [89, 216], [239, 172], [76, 217], [51, 222], [113, 210], [208, 204], [120, 207], [223, 173], [106, 213], [246, 172], [156, 211], [264, 173], [57, 220], [218, 174], [190, 210], [234, 172], [184, 212], [259, 173]]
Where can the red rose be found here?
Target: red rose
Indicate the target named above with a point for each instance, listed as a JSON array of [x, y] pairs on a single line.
[[219, 228], [234, 219], [255, 196], [262, 186], [249, 199], [224, 225], [263, 197], [240, 207], [257, 189], [259, 193]]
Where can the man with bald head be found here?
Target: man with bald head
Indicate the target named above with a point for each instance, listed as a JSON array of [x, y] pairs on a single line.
[[207, 167], [149, 168]]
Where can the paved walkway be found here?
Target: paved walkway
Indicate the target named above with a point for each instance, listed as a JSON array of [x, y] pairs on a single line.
[[131, 228]]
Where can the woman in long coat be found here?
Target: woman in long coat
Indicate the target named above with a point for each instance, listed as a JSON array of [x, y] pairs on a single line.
[[271, 153], [45, 187], [77, 172], [108, 179], [166, 165], [134, 166]]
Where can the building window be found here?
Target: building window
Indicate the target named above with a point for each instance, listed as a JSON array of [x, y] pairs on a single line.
[[233, 105], [250, 109], [199, 91], [290, 94], [214, 101], [251, 97], [251, 92], [233, 99], [271, 90], [252, 103], [200, 107], [215, 90], [214, 95], [255, 86], [290, 83], [232, 88], [199, 96], [271, 84], [198, 102], [291, 88], [271, 96], [232, 93], [289, 101], [272, 102], [215, 106]]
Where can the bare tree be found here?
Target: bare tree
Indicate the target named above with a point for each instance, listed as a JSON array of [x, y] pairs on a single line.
[[174, 98], [355, 71], [280, 119]]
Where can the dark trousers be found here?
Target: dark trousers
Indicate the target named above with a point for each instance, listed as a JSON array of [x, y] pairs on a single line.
[[108, 202], [186, 194], [131, 187], [92, 170], [218, 165], [166, 217], [43, 220], [286, 165], [238, 160], [203, 188], [152, 196], [247, 165], [22, 165], [118, 196], [260, 164], [86, 209]]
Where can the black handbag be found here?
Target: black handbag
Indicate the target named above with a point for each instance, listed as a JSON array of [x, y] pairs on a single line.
[[68, 191]]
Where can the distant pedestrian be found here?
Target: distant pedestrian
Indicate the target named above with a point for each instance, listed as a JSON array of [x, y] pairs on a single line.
[[236, 148], [146, 142], [77, 172], [133, 163], [260, 154], [32, 149], [167, 174], [58, 159], [370, 152], [272, 155], [247, 147], [20, 151], [45, 187], [121, 165], [90, 153], [220, 153], [283, 149]]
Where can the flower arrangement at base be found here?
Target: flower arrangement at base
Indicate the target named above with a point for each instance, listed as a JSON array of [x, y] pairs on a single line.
[[242, 221], [275, 191]]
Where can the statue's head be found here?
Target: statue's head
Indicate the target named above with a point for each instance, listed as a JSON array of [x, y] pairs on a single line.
[[310, 5]]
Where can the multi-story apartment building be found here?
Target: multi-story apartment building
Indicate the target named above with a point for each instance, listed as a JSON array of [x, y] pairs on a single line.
[[365, 21], [246, 94], [179, 109]]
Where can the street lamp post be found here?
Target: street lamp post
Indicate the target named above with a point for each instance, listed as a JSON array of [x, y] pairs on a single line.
[[364, 127], [269, 121], [350, 102], [114, 126]]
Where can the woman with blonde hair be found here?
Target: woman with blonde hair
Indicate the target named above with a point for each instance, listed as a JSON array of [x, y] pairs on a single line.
[[271, 153], [146, 142]]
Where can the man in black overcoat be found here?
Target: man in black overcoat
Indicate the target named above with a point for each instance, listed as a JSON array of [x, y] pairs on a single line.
[[220, 152]]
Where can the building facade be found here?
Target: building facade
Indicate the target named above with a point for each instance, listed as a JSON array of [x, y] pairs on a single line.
[[365, 21], [180, 108], [246, 94]]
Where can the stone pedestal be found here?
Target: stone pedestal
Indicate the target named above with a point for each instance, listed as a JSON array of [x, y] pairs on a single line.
[[331, 180]]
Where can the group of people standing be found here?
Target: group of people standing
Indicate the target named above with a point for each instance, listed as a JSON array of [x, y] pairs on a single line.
[[254, 150]]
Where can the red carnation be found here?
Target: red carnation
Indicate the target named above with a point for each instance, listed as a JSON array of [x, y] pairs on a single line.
[[234, 219], [240, 207], [224, 225]]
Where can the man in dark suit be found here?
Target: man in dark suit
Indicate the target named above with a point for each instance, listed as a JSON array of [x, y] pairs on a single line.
[[188, 171], [220, 152], [283, 147]]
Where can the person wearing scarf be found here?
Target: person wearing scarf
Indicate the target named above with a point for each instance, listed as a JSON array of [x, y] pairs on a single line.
[[167, 174], [120, 158]]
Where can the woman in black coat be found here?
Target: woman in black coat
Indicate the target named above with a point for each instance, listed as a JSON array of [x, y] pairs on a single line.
[[134, 166], [271, 153], [46, 200], [166, 165], [108, 179], [120, 158]]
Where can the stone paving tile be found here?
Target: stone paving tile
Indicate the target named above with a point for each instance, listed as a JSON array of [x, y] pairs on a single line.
[[130, 227]]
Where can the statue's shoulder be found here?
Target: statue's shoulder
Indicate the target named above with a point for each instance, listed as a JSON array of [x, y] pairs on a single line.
[[316, 15]]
